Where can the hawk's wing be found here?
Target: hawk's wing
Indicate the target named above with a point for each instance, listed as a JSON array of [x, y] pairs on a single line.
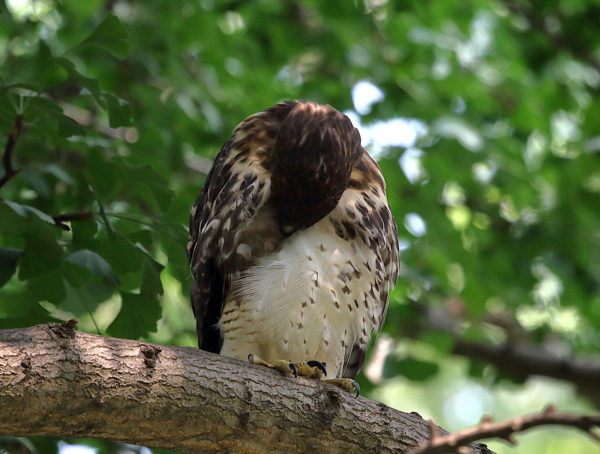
[[371, 217], [235, 190]]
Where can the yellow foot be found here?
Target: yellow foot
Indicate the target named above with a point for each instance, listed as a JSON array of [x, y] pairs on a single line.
[[345, 383], [309, 369], [287, 368]]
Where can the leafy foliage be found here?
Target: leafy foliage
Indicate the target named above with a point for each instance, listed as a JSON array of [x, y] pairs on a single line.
[[495, 186]]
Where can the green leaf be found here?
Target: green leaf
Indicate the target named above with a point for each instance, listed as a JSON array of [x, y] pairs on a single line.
[[11, 222], [151, 284], [15, 303], [42, 253], [438, 339], [16, 218], [59, 172], [92, 85], [84, 233], [122, 256], [411, 368], [130, 282], [48, 287], [150, 187], [119, 111], [28, 313], [110, 35], [138, 316], [85, 298], [105, 177], [36, 180], [95, 264], [82, 10], [477, 368], [142, 239], [177, 259], [75, 274], [9, 259], [37, 107], [69, 127]]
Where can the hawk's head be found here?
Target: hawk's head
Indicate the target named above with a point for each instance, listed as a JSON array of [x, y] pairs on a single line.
[[314, 152]]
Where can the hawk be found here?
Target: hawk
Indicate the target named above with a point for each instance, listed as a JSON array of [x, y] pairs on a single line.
[[293, 248]]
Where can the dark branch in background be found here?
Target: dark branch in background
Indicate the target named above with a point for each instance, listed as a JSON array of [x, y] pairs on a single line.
[[9, 171], [526, 360], [456, 442], [60, 219], [517, 356]]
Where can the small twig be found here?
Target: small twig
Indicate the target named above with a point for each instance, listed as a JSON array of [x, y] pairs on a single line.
[[505, 430], [434, 432], [60, 219], [9, 171], [71, 323]]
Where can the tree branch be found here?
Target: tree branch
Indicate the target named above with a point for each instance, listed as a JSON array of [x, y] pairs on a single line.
[[504, 430], [517, 356], [55, 381], [60, 219], [9, 171], [525, 360]]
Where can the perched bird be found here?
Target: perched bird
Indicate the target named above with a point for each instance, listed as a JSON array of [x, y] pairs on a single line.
[[293, 248]]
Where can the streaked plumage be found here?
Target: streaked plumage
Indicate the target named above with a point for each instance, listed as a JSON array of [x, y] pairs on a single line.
[[293, 248]]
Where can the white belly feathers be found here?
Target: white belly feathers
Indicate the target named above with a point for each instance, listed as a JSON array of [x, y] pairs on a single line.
[[302, 301]]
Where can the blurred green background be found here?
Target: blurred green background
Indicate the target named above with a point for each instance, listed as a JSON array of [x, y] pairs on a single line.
[[484, 116]]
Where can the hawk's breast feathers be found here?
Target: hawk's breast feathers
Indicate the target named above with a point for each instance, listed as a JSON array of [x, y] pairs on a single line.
[[293, 248]]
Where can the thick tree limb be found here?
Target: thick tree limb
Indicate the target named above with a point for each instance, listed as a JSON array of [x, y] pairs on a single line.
[[59, 382], [505, 429]]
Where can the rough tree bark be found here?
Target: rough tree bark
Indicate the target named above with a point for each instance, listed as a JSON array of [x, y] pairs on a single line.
[[56, 381]]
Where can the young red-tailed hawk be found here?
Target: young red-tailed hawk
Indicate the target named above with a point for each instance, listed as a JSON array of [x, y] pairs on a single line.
[[293, 248]]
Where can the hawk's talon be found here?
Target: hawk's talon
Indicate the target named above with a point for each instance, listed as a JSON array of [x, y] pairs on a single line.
[[346, 384], [308, 369], [312, 369], [319, 365], [357, 387]]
